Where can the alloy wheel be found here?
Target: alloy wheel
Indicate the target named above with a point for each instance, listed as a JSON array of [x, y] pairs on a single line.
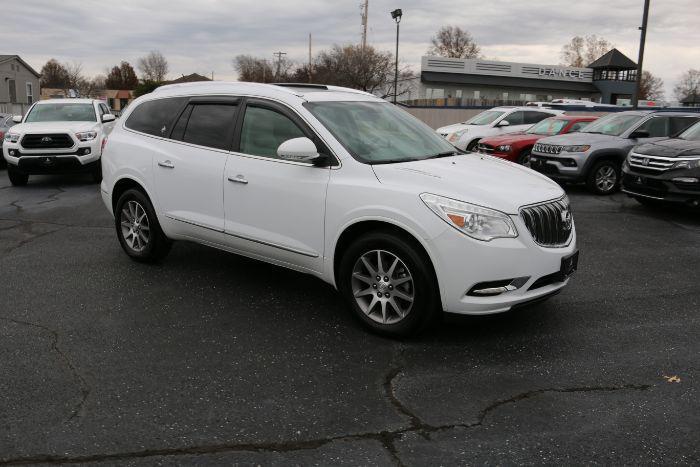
[[605, 178], [383, 287], [135, 227]]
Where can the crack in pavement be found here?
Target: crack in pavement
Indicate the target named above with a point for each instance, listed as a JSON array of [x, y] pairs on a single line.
[[84, 387], [387, 438], [54, 196], [26, 227]]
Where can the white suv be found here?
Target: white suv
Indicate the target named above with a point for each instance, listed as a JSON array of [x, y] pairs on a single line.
[[342, 185], [493, 122], [57, 136]]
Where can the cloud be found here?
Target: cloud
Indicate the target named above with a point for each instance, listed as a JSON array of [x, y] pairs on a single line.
[[204, 36]]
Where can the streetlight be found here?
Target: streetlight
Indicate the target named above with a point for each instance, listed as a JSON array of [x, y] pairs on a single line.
[[396, 15]]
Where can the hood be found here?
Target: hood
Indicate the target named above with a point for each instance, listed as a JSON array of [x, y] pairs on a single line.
[[474, 178], [579, 138], [510, 138], [54, 127], [674, 147], [452, 128]]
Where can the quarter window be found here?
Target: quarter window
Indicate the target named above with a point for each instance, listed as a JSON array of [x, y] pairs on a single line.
[[680, 124], [155, 117], [264, 130], [209, 125]]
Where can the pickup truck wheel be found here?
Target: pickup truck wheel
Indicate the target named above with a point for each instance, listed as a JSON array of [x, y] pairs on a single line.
[[604, 177], [138, 229], [389, 285], [16, 178]]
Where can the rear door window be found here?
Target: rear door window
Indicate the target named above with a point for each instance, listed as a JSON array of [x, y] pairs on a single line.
[[680, 124], [534, 117], [210, 125], [156, 117]]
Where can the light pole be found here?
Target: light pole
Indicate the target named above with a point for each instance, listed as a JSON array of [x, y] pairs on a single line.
[[642, 40], [396, 15]]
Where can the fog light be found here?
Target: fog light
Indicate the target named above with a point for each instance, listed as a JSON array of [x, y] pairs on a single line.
[[685, 180], [86, 151], [12, 152]]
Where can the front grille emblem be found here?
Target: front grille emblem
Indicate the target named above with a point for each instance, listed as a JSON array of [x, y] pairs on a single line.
[[645, 161], [566, 219], [46, 140]]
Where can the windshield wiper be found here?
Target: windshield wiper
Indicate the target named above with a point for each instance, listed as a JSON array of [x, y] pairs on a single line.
[[444, 154]]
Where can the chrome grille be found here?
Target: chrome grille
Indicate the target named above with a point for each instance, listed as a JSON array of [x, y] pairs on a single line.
[[650, 162], [47, 141], [547, 148], [550, 223]]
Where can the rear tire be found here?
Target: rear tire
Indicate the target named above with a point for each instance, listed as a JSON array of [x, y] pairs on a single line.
[[409, 300], [604, 177], [16, 177], [138, 230]]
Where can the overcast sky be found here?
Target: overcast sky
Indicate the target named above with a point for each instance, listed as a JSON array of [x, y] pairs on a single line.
[[204, 35]]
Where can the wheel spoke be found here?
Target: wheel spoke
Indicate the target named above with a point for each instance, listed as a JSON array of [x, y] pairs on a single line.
[[380, 268], [384, 311], [363, 278], [364, 292], [396, 307], [390, 272], [369, 267], [403, 296], [371, 304], [401, 280]]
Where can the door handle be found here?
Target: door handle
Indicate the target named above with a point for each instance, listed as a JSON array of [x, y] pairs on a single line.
[[166, 164], [238, 179]]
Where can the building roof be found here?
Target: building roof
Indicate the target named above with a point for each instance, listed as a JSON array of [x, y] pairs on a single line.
[[5, 58], [615, 60], [506, 81], [693, 98], [193, 78]]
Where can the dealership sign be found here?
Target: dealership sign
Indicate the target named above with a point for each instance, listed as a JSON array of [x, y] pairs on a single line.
[[561, 73]]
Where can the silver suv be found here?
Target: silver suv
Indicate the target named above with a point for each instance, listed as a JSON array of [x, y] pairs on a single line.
[[594, 156]]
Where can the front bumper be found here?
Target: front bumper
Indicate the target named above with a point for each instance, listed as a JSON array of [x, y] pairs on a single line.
[[661, 186], [565, 168], [462, 263], [84, 158]]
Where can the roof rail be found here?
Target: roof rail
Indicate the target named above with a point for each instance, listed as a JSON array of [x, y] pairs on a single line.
[[301, 85]]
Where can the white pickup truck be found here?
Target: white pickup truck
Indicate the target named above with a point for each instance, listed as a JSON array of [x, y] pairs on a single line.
[[58, 136]]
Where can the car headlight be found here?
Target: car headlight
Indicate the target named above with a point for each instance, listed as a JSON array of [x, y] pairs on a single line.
[[576, 148], [504, 148], [687, 164], [456, 135], [11, 137], [86, 135], [475, 221]]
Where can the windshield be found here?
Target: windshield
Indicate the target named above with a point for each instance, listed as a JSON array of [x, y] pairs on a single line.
[[485, 118], [612, 124], [68, 112], [379, 132], [548, 127], [692, 133]]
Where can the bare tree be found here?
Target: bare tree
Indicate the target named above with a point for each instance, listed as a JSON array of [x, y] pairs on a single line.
[[688, 85], [582, 51], [256, 70], [651, 87], [153, 67], [74, 75], [454, 42], [54, 75]]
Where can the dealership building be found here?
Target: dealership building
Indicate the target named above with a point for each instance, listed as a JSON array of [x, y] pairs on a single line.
[[453, 81]]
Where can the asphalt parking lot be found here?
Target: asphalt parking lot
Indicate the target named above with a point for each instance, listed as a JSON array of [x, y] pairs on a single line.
[[213, 358]]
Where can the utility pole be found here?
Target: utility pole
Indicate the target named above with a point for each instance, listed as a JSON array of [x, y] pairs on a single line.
[[640, 60], [365, 13], [279, 63], [396, 16], [310, 65]]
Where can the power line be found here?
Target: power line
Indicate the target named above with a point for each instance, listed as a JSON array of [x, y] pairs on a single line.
[[279, 63]]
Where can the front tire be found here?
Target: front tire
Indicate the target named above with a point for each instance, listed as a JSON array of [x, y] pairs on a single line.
[[471, 147], [138, 230], [604, 177], [524, 158], [16, 177], [389, 284]]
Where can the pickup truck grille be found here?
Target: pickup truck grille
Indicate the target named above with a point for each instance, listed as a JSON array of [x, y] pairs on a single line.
[[658, 164], [47, 141], [550, 223], [547, 148]]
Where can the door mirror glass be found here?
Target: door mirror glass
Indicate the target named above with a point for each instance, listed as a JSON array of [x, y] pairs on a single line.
[[299, 150], [108, 118], [17, 118], [639, 134], [503, 123]]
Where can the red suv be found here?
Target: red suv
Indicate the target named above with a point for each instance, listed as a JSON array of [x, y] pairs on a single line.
[[516, 147]]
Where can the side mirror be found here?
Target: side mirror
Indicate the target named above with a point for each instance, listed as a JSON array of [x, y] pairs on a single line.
[[108, 118], [503, 123], [639, 134], [17, 118], [299, 150]]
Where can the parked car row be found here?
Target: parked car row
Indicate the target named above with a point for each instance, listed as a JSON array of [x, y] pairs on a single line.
[[654, 156]]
